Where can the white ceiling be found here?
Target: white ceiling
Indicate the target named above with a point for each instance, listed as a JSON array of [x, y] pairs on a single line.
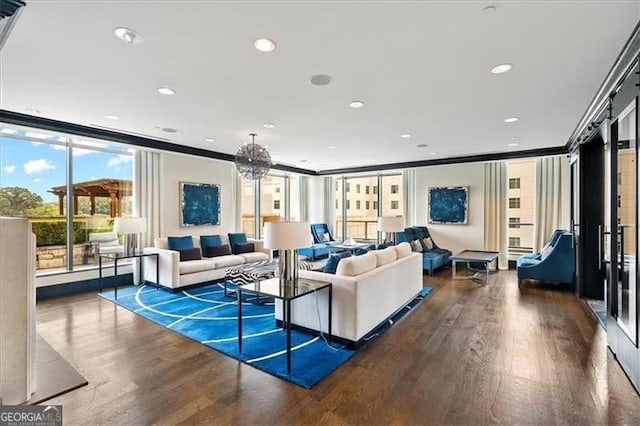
[[420, 67]]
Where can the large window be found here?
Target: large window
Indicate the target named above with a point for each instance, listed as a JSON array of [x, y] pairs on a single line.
[[272, 195], [277, 202], [521, 212], [34, 179], [361, 223]]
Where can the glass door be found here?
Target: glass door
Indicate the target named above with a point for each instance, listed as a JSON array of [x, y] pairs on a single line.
[[624, 309]]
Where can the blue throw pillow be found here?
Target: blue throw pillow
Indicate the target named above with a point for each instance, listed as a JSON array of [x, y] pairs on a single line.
[[180, 243], [381, 246], [332, 263], [210, 241], [361, 251], [237, 238]]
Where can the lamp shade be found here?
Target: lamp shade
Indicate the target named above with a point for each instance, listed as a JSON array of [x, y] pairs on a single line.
[[390, 223], [287, 235], [129, 225]]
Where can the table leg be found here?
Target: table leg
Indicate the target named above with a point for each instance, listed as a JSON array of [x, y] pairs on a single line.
[[157, 271], [330, 337], [486, 266], [453, 270], [140, 272], [115, 275], [239, 298], [288, 326], [100, 272]]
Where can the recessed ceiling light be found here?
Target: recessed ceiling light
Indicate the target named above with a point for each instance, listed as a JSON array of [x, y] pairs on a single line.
[[209, 140], [433, 153], [513, 144], [320, 79], [499, 69], [356, 104], [511, 119], [168, 130], [128, 35], [304, 161], [333, 146], [33, 111], [166, 91], [422, 145], [405, 135], [264, 45], [268, 125], [489, 9], [9, 131], [112, 117]]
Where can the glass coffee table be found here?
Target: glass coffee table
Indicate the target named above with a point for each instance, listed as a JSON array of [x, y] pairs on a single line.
[[272, 288], [474, 256]]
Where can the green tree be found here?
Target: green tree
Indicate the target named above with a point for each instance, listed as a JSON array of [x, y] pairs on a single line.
[[46, 209], [15, 201]]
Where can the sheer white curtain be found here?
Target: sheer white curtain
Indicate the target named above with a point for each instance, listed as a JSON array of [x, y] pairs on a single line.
[[303, 184], [329, 204], [549, 198], [410, 208], [147, 194], [495, 210], [146, 201]]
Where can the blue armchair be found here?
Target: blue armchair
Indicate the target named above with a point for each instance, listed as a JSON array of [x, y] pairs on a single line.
[[322, 241], [555, 263], [431, 258]]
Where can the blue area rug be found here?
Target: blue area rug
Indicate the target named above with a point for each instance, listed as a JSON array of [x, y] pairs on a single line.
[[207, 316]]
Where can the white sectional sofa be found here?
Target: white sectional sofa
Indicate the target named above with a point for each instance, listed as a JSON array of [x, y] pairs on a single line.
[[176, 274], [367, 290]]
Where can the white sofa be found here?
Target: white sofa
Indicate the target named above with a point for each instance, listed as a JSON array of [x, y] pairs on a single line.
[[367, 290], [176, 274]]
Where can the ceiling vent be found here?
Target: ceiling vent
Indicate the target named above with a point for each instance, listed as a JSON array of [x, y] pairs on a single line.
[[320, 79]]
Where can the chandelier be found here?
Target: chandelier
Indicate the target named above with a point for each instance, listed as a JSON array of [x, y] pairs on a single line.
[[252, 160]]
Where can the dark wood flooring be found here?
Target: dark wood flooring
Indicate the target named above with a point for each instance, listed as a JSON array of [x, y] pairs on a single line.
[[469, 354]]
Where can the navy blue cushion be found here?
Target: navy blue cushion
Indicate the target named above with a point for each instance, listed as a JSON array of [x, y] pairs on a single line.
[[332, 263], [190, 254], [243, 248], [215, 251], [210, 241], [180, 243], [361, 251], [237, 238], [381, 246]]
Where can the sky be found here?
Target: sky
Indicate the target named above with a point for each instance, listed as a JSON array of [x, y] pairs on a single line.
[[39, 166]]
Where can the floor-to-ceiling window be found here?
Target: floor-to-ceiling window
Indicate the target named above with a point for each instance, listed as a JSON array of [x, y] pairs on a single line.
[[276, 194], [366, 198], [38, 170], [521, 205]]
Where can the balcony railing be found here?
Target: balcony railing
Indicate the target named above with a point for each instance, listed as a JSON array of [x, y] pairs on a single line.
[[523, 231], [358, 229]]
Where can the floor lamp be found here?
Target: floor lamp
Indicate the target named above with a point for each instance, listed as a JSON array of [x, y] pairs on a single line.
[[390, 225], [286, 237]]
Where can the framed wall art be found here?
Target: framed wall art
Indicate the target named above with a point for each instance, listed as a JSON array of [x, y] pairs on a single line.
[[199, 204], [448, 205]]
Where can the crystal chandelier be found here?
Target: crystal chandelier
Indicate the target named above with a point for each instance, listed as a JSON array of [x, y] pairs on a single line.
[[252, 160]]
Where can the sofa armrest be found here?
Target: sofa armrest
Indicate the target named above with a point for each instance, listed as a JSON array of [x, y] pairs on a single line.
[[169, 266]]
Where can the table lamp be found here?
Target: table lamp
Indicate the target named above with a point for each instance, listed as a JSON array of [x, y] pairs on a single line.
[[391, 225], [286, 237], [130, 227]]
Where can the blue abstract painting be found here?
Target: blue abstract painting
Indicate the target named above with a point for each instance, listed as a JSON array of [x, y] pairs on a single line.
[[448, 205], [199, 204]]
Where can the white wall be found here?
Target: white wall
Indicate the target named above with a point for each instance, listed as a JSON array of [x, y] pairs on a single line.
[[176, 168], [454, 237]]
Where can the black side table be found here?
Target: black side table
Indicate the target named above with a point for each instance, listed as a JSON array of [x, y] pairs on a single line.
[[272, 288], [120, 256]]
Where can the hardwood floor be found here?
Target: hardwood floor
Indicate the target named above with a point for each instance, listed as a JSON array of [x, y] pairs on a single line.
[[469, 354]]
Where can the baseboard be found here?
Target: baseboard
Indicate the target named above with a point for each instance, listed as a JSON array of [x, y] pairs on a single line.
[[83, 286]]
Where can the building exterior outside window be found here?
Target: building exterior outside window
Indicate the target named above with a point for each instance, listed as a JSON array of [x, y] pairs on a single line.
[[394, 205], [521, 213]]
